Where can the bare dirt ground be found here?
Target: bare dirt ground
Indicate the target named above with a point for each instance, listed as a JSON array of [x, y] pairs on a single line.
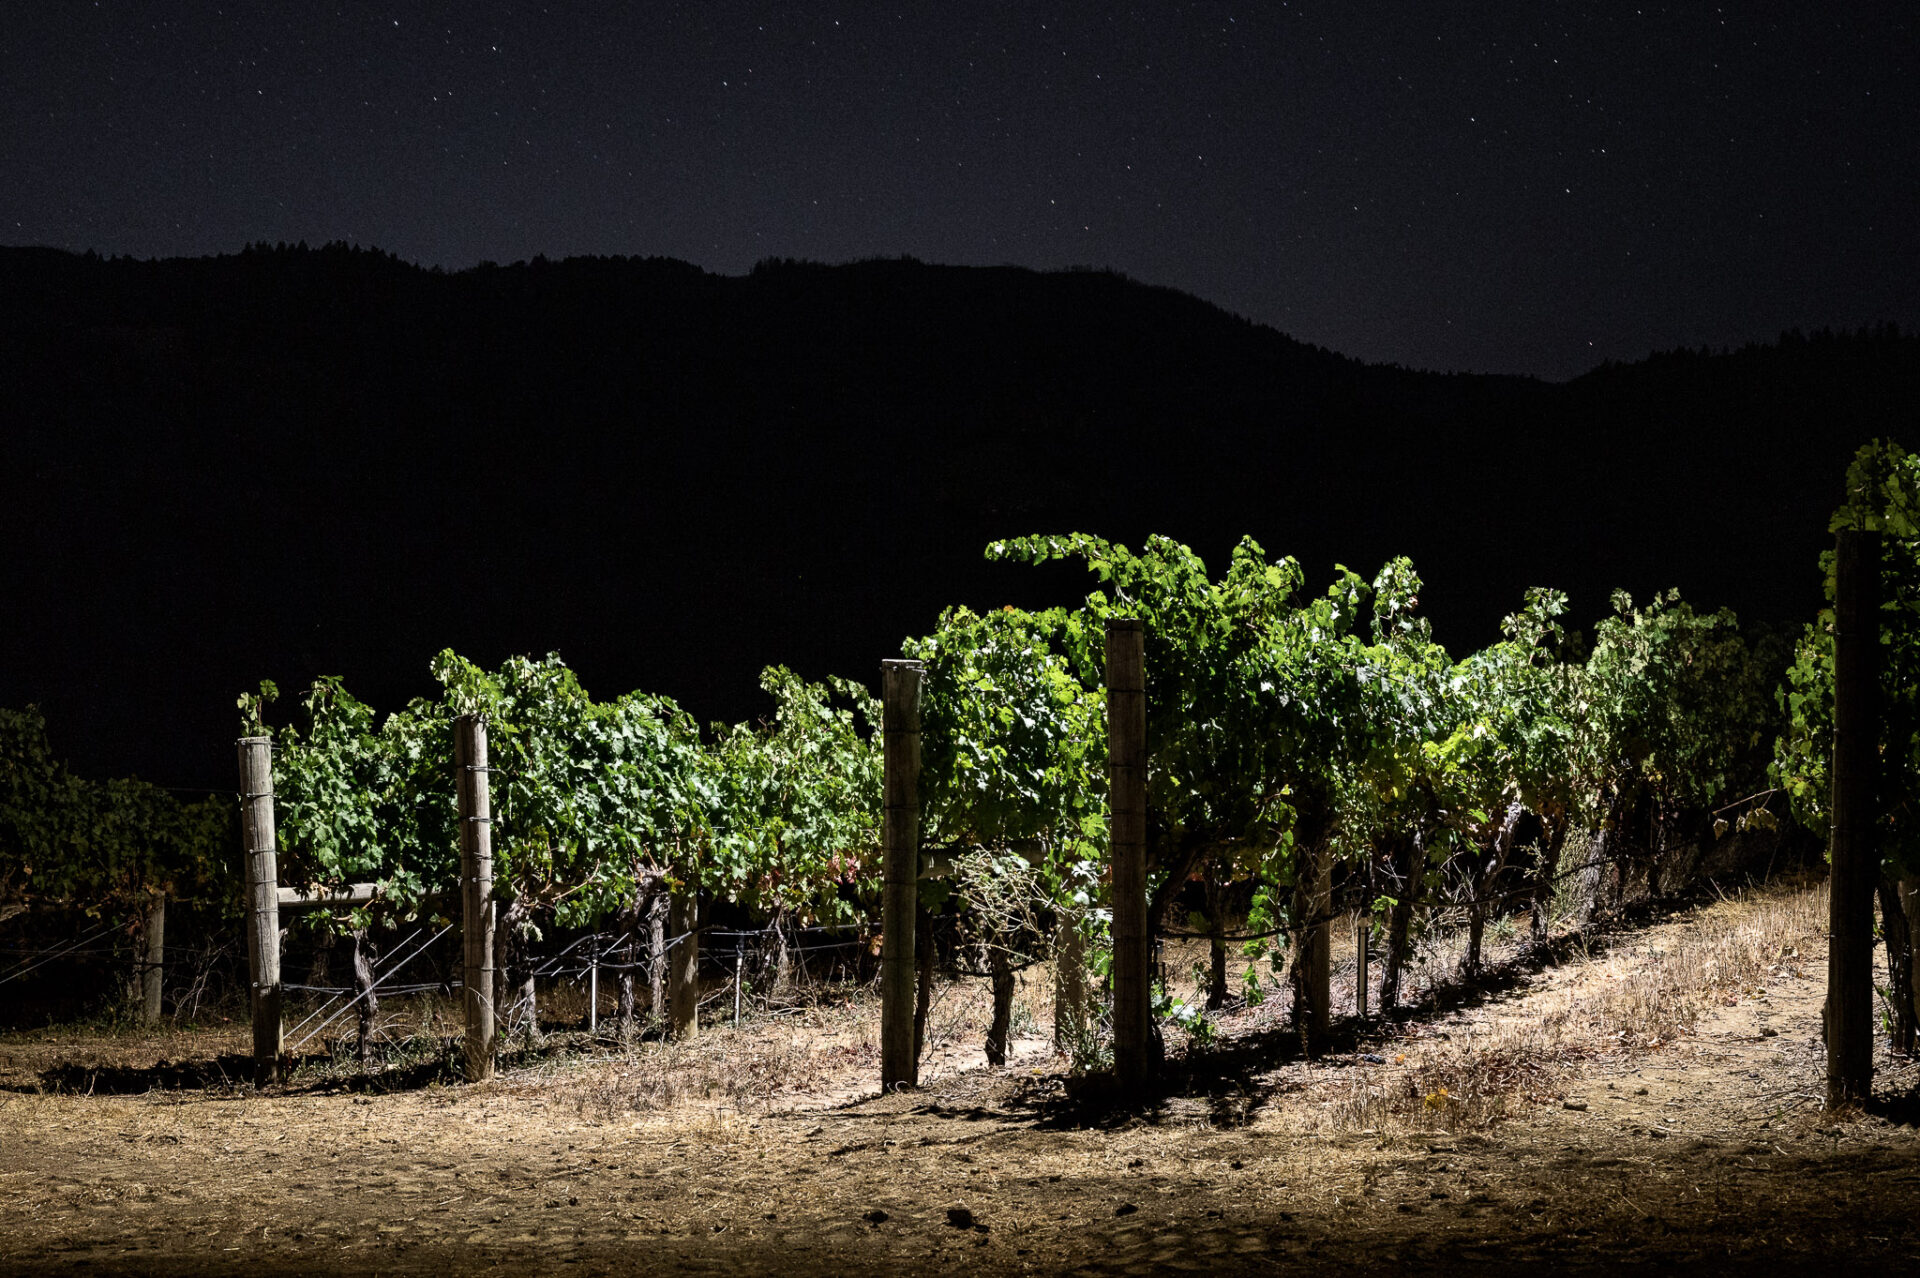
[[1647, 1100]]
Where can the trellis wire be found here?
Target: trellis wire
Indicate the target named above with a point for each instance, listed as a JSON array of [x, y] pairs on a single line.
[[392, 969], [419, 988], [26, 965], [324, 1006], [29, 954]]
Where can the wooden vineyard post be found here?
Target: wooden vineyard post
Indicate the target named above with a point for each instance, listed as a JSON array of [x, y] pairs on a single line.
[[263, 902], [1852, 847], [683, 961], [154, 968], [900, 836], [476, 892], [1127, 814]]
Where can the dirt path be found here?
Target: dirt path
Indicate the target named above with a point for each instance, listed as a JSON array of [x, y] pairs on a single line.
[[1702, 1150]]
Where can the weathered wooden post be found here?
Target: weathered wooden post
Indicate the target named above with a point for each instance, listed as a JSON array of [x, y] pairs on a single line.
[[900, 839], [1127, 817], [683, 960], [1852, 848], [263, 902], [476, 892], [152, 971]]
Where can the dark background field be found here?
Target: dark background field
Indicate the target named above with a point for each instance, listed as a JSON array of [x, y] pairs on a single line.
[[293, 462]]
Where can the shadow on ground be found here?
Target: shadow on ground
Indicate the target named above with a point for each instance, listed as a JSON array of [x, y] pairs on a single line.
[[231, 1073]]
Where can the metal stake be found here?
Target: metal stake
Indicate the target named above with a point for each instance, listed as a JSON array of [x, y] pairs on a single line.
[[593, 987]]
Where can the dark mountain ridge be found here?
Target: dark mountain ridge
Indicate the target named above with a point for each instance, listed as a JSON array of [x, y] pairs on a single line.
[[289, 462]]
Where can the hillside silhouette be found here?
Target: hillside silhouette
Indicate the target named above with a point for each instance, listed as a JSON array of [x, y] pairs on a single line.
[[289, 462]]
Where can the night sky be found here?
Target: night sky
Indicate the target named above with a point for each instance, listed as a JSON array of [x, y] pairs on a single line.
[[1524, 187]]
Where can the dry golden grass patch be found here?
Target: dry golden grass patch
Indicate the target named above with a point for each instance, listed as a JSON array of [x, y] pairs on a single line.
[[1467, 1071], [1651, 993], [756, 1068], [817, 1046], [1475, 1068], [820, 1048], [1446, 1086], [736, 1153]]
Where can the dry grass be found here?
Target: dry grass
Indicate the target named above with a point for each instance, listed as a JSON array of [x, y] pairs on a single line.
[[1628, 999], [803, 1051], [595, 1155], [1729, 949], [737, 1072], [1448, 1087], [818, 1045], [814, 1042]]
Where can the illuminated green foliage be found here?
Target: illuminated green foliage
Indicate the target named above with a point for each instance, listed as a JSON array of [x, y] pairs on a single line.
[[1883, 494]]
